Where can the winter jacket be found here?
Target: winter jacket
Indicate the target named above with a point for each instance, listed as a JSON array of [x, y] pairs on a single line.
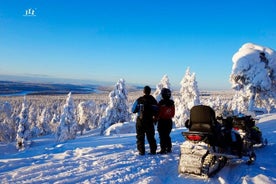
[[166, 109], [146, 107]]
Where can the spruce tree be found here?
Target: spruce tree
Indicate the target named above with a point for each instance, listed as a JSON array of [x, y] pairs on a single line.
[[67, 126], [253, 74], [164, 83], [87, 116], [188, 97], [117, 110], [23, 132]]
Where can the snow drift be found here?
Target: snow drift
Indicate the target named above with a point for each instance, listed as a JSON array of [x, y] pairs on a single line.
[[113, 159]]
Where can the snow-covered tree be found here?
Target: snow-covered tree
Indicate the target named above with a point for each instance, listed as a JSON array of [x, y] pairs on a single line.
[[269, 103], [7, 131], [164, 83], [87, 116], [54, 123], [67, 126], [43, 122], [188, 97], [117, 110], [254, 72], [6, 110], [33, 115], [23, 132]]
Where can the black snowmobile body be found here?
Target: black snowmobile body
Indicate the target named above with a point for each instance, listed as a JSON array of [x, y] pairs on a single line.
[[209, 144]]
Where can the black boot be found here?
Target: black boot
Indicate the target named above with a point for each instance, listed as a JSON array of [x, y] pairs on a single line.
[[162, 151]]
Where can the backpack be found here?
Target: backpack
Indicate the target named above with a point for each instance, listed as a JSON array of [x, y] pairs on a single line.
[[166, 111], [146, 108]]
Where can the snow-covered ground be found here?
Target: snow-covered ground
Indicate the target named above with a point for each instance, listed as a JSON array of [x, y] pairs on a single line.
[[113, 159]]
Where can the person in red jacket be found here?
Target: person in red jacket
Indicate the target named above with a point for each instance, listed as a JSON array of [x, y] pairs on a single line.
[[165, 115]]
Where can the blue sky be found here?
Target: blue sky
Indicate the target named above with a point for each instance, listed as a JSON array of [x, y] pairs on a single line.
[[138, 40]]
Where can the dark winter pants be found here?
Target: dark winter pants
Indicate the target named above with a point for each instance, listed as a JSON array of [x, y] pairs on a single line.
[[145, 127], [164, 129]]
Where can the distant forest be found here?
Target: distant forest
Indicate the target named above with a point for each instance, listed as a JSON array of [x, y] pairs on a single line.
[[10, 88]]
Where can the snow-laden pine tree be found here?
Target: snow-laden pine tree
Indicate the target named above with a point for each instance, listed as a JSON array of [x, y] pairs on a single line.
[[87, 116], [269, 104], [188, 97], [23, 132], [164, 83], [54, 123], [67, 128], [7, 130], [253, 74], [33, 119], [117, 110], [43, 122], [6, 110]]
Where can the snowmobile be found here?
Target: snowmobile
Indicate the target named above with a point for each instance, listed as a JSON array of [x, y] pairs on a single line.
[[209, 144]]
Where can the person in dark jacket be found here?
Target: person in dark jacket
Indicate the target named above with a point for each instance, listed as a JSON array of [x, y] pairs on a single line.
[[146, 107], [164, 127]]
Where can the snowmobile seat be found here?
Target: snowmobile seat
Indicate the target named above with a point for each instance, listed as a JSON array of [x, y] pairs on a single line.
[[202, 119]]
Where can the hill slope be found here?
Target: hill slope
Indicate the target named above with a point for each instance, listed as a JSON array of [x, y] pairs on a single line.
[[113, 159]]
